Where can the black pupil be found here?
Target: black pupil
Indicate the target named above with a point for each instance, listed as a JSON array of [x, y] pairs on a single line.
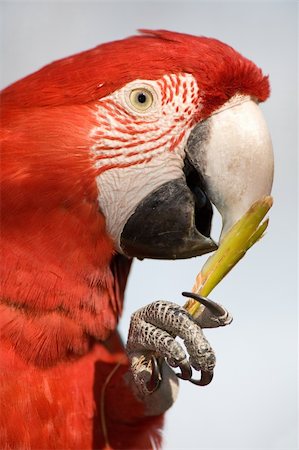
[[141, 97]]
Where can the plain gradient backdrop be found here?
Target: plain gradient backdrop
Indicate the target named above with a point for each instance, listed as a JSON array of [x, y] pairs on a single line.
[[252, 401]]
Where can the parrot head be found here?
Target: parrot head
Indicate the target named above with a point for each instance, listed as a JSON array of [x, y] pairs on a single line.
[[159, 127]]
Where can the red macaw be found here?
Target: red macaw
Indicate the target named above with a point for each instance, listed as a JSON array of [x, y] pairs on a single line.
[[114, 153]]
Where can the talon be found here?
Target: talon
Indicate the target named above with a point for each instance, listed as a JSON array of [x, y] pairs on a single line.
[[206, 378], [186, 371], [155, 379], [215, 309]]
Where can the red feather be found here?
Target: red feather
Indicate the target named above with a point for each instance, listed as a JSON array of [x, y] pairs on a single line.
[[220, 71]]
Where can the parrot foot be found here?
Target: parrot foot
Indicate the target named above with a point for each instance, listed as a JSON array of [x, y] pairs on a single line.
[[151, 342]]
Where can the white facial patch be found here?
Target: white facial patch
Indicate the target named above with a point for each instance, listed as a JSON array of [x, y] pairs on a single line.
[[121, 190], [136, 151]]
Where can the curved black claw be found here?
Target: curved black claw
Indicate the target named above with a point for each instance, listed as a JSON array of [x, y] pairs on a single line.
[[186, 371], [215, 309], [206, 378], [155, 379]]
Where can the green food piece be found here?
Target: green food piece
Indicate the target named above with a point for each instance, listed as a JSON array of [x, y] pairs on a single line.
[[243, 235]]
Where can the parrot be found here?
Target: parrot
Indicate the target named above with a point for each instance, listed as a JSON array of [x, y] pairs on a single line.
[[117, 152]]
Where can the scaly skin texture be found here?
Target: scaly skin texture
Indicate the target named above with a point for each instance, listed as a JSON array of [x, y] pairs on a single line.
[[153, 332], [155, 327]]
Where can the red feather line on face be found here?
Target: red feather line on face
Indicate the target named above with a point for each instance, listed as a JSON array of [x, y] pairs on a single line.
[[122, 139]]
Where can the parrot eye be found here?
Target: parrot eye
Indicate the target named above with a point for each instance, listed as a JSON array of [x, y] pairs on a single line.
[[141, 99]]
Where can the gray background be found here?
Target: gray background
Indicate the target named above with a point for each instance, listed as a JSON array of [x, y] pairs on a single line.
[[252, 402]]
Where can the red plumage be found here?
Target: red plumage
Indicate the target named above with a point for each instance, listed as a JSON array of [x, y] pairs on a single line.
[[83, 78], [62, 282]]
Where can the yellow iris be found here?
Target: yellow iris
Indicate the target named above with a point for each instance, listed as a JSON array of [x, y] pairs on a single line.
[[141, 99]]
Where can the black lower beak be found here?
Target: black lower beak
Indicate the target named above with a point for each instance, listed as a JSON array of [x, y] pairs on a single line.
[[172, 222]]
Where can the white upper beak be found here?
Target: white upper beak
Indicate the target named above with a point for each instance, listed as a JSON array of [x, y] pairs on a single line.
[[237, 159]]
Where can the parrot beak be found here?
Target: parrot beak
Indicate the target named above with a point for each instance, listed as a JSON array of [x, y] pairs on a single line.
[[228, 163], [165, 225], [232, 152]]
